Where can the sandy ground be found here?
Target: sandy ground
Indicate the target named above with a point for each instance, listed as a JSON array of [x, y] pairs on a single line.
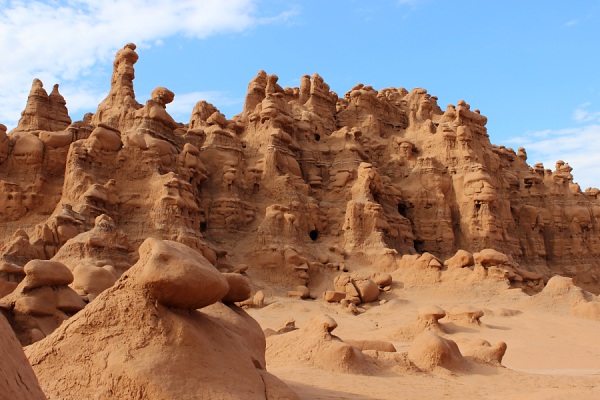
[[550, 355]]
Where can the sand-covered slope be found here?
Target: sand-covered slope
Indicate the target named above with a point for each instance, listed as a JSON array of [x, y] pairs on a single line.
[[451, 340]]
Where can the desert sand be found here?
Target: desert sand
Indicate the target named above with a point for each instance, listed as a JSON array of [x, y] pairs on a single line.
[[314, 246], [550, 354]]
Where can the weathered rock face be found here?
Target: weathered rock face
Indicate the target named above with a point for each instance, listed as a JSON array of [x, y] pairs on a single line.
[[371, 175], [116, 109], [44, 112], [42, 301]]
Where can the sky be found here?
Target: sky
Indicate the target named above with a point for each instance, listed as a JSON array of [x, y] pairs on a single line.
[[531, 67]]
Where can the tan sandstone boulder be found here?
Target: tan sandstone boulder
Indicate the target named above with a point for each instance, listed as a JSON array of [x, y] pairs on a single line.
[[143, 338]]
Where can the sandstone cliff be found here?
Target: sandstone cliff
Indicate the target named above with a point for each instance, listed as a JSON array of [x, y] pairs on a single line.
[[301, 181]]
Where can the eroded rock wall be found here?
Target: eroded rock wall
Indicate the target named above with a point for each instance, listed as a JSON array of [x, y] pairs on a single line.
[[299, 171]]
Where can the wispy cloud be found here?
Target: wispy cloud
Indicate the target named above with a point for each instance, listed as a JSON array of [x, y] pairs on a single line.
[[570, 23], [63, 41], [583, 114], [412, 3], [572, 145]]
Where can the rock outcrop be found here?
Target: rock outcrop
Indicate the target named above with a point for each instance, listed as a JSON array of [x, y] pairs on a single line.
[[315, 345], [372, 172], [42, 301], [144, 338]]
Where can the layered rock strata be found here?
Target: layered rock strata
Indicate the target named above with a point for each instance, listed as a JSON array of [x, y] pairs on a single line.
[[337, 180]]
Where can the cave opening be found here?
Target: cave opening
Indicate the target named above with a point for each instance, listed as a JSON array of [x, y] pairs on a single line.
[[418, 244], [402, 209]]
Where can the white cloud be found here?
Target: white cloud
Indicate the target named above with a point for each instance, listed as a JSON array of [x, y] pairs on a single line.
[[63, 41], [570, 23], [412, 3], [582, 114], [572, 145]]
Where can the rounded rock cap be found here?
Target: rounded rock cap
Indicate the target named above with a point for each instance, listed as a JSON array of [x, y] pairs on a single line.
[[177, 276]]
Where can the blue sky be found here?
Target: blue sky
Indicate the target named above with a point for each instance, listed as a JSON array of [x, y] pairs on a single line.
[[531, 67]]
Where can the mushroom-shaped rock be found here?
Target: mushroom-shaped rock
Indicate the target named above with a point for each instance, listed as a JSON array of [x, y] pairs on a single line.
[[427, 319], [322, 323], [162, 95], [46, 273], [143, 345], [429, 350], [315, 345], [431, 313], [42, 301], [177, 276], [468, 314], [483, 351], [239, 288], [461, 259], [489, 257]]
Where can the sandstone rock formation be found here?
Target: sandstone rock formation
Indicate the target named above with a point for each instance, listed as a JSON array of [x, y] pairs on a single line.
[[429, 350], [302, 187], [427, 320], [18, 380], [316, 345], [136, 338], [42, 301], [374, 173], [562, 296]]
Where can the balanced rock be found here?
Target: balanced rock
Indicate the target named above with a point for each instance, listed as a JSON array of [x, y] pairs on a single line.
[[42, 301], [105, 352], [46, 273], [177, 276], [239, 288]]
